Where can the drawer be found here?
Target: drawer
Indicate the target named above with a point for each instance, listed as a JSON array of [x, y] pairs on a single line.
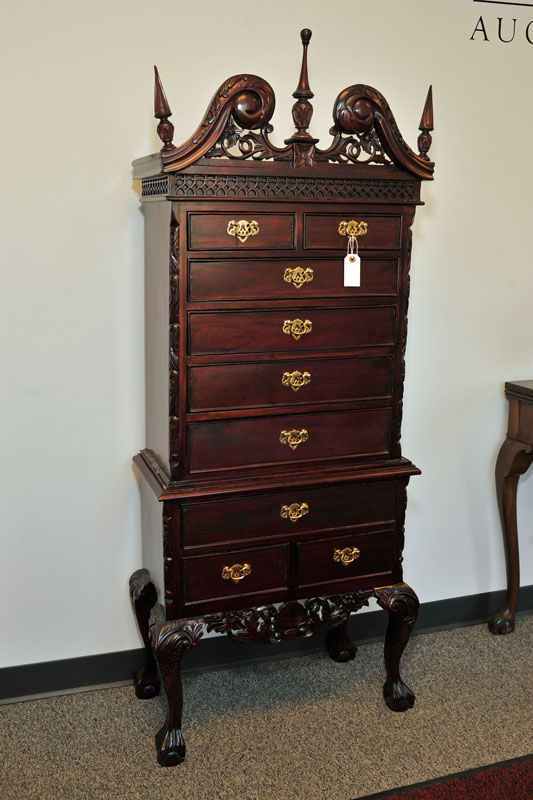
[[251, 231], [291, 329], [246, 572], [321, 231], [258, 441], [329, 560], [282, 278], [290, 513], [318, 380]]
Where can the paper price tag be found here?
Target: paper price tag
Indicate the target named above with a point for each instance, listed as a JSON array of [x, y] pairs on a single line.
[[352, 270]]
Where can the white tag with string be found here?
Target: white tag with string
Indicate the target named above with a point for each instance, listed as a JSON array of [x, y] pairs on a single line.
[[352, 264]]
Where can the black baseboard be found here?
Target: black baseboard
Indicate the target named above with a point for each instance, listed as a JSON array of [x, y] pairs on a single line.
[[219, 651]]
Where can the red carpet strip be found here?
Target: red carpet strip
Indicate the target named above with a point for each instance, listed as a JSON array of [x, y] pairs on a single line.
[[508, 780]]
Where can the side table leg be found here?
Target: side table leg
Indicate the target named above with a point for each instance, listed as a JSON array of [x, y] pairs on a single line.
[[170, 641], [513, 460], [143, 598], [402, 604], [339, 645]]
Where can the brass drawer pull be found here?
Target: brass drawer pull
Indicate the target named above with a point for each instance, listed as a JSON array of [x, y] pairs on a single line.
[[347, 555], [295, 379], [297, 327], [353, 228], [243, 229], [236, 572], [294, 512], [298, 276], [293, 438]]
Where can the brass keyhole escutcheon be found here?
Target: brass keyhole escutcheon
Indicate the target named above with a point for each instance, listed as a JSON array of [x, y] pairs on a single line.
[[353, 229], [295, 379], [243, 229], [236, 572], [294, 438], [298, 276], [347, 555], [294, 512], [297, 328]]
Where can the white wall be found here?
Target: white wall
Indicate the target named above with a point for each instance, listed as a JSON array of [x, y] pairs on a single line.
[[76, 109]]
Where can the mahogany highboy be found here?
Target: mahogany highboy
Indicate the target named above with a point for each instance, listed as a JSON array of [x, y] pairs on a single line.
[[274, 489]]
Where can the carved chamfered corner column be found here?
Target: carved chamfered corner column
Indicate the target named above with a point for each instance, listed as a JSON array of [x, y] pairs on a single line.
[[514, 459], [143, 597], [402, 604], [170, 641]]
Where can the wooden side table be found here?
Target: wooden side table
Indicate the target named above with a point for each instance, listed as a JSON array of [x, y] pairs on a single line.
[[514, 459]]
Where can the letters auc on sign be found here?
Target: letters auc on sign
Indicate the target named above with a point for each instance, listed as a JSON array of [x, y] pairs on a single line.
[[505, 30]]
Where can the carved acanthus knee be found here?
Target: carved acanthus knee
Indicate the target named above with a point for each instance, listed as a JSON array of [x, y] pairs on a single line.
[[170, 640], [402, 604]]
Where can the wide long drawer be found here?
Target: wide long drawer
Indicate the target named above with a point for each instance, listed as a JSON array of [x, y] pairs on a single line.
[[292, 329], [266, 279], [236, 230], [271, 383], [341, 559], [304, 437], [290, 513], [234, 573]]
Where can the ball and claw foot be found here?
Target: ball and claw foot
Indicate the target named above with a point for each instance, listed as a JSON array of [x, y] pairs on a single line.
[[502, 623], [339, 646], [170, 746], [146, 684], [398, 696]]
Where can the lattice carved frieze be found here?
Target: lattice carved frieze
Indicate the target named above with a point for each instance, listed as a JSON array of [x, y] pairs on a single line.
[[159, 185], [287, 187]]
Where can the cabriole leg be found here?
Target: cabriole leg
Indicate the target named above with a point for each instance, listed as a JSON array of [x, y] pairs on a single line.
[[170, 641], [402, 604], [143, 598], [514, 459]]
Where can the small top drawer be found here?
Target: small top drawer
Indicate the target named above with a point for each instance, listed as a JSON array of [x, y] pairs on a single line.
[[321, 231], [236, 230]]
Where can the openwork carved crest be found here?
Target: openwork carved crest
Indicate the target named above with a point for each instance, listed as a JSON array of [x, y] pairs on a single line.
[[237, 126]]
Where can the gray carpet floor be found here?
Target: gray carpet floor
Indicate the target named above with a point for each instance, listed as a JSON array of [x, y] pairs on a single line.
[[304, 728]]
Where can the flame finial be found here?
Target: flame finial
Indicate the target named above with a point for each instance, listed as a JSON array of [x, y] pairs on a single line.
[[165, 129], [426, 125]]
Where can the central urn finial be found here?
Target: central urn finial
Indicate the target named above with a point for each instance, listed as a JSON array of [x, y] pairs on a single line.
[[302, 110]]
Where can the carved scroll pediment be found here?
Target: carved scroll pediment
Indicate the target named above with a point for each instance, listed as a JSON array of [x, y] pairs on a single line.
[[236, 125], [247, 98], [362, 112]]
